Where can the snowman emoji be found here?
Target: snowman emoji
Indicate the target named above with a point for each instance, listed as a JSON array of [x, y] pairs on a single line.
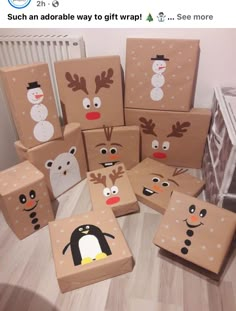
[[43, 129], [158, 80]]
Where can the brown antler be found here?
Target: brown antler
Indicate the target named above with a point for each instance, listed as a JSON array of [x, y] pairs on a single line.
[[179, 171], [115, 175], [104, 80], [76, 83], [178, 129], [99, 179], [108, 132], [147, 126]]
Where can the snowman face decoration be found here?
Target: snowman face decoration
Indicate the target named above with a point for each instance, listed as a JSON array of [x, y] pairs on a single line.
[[35, 93], [159, 66]]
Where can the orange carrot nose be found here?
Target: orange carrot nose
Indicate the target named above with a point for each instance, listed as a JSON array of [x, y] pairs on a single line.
[[38, 96], [114, 157], [30, 203], [194, 218], [156, 188]]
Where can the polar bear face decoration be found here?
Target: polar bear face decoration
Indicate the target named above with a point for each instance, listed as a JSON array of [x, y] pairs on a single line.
[[64, 172]]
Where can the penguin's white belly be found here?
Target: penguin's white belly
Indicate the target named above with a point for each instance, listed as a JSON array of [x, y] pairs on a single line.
[[89, 246]]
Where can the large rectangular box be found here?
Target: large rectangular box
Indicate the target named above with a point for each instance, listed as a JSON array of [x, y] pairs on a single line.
[[154, 182], [222, 139], [30, 97], [91, 91], [110, 145], [197, 231], [88, 248], [161, 73], [110, 188], [174, 138], [62, 161], [24, 198]]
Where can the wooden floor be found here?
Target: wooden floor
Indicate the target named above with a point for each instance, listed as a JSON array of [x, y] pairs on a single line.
[[158, 281]]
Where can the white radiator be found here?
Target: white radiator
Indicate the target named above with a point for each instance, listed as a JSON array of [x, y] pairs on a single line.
[[19, 50]]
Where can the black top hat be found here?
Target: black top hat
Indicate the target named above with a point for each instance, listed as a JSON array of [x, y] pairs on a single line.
[[159, 57], [33, 85]]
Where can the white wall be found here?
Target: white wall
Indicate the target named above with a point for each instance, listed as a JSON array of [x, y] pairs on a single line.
[[217, 61]]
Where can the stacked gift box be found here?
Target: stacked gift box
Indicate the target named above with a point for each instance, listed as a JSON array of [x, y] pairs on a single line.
[[220, 157], [161, 128]]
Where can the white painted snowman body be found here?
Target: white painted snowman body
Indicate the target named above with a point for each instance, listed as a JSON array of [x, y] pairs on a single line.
[[158, 80]]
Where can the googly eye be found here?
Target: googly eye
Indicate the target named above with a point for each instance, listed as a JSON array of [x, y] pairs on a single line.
[[86, 103], [103, 151], [155, 179], [32, 194], [81, 229], [97, 102], [155, 144], [22, 198], [113, 150], [165, 145], [114, 190], [192, 209], [106, 192], [165, 184], [203, 213], [87, 227]]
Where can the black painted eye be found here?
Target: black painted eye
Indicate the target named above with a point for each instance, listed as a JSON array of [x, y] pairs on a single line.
[[32, 194], [113, 150], [156, 179], [59, 167], [22, 198], [165, 184], [103, 150], [68, 163], [203, 213], [192, 209]]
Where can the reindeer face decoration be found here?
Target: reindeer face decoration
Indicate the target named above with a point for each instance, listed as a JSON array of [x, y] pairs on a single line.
[[91, 104], [160, 144], [154, 182]]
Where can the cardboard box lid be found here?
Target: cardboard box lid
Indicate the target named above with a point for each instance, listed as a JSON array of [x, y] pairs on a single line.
[[18, 176], [226, 97], [192, 229], [61, 231]]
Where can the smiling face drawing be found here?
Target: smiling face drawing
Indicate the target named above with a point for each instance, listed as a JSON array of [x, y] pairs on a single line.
[[28, 200]]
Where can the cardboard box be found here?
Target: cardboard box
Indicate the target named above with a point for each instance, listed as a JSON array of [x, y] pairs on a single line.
[[91, 91], [174, 138], [88, 248], [110, 188], [24, 198], [62, 161], [192, 229], [213, 194], [30, 97], [161, 73], [154, 182], [110, 145], [222, 139]]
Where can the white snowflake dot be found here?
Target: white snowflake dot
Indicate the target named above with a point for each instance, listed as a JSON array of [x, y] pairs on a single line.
[[32, 70], [141, 46], [178, 201], [134, 58], [14, 79], [187, 77], [115, 229], [173, 76], [168, 85], [189, 60], [111, 220], [211, 230], [44, 74], [181, 89], [132, 89], [17, 221], [177, 221], [124, 252], [139, 64], [9, 198], [61, 262], [191, 46], [62, 230], [141, 97], [17, 208], [45, 194], [146, 74], [140, 83], [172, 208], [54, 225], [179, 52], [132, 52], [222, 219], [218, 245], [172, 97], [153, 47], [166, 226], [25, 229], [179, 66], [98, 222], [132, 75], [113, 243], [203, 247], [14, 185], [211, 258], [72, 219], [58, 241], [173, 238], [103, 211], [162, 240]]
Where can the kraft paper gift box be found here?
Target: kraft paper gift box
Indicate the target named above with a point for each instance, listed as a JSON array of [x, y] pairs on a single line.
[[62, 161], [154, 182], [174, 138], [91, 91], [30, 97], [196, 231], [161, 73], [24, 198], [110, 188], [88, 248], [110, 145]]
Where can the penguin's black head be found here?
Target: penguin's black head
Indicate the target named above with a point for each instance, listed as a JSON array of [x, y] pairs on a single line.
[[88, 229]]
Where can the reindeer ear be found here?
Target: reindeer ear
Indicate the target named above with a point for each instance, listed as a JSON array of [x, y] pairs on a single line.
[[179, 171]]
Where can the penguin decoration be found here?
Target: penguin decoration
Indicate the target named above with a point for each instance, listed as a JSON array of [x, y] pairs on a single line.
[[88, 243]]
